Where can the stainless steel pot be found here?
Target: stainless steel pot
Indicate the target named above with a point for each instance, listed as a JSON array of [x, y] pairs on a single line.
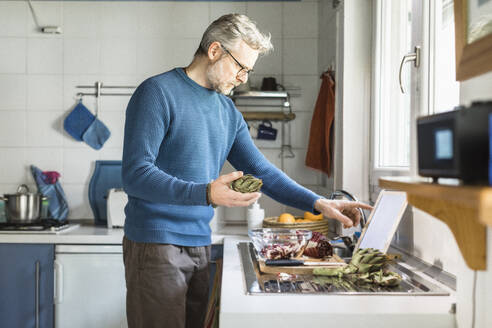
[[24, 206]]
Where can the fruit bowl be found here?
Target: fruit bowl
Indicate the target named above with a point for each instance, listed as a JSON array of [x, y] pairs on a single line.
[[319, 225], [274, 243]]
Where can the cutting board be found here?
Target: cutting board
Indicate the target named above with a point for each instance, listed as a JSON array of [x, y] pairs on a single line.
[[332, 262]]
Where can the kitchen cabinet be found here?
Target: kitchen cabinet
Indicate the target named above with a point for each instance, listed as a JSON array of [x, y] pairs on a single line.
[[90, 286], [465, 209], [26, 285], [85, 273]]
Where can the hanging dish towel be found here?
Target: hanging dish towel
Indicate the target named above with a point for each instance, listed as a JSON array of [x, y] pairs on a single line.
[[319, 153], [58, 205], [77, 122], [96, 134]]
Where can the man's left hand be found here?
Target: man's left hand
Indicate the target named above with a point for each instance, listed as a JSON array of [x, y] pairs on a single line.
[[345, 211]]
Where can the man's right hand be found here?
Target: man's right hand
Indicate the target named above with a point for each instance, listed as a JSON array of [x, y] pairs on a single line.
[[222, 195]]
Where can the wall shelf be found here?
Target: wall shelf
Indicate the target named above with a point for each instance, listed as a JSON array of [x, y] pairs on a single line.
[[263, 99], [269, 116], [465, 209]]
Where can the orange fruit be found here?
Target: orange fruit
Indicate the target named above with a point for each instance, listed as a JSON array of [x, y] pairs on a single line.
[[286, 218], [312, 217], [300, 220]]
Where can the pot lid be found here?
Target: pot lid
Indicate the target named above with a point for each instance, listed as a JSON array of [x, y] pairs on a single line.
[[23, 190]]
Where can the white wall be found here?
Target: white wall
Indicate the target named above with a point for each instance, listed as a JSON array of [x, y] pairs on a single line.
[[434, 242], [357, 70], [478, 88], [122, 43]]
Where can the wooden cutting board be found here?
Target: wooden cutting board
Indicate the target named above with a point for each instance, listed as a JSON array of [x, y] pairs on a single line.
[[334, 261]]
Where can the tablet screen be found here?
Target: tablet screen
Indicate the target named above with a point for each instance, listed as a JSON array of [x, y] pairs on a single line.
[[384, 220]]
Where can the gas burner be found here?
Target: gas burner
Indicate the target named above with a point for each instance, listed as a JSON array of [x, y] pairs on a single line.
[[43, 225]]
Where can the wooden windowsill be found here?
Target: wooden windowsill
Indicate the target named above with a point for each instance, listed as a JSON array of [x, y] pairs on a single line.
[[465, 209]]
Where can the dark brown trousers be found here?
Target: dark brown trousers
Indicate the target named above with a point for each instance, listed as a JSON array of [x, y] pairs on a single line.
[[167, 285]]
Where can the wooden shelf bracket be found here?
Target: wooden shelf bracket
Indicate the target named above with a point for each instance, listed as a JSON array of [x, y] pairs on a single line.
[[461, 208]]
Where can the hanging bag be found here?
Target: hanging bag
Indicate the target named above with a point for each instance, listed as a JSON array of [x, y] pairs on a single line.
[[58, 205]]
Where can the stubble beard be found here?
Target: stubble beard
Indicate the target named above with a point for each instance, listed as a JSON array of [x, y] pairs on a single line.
[[214, 73]]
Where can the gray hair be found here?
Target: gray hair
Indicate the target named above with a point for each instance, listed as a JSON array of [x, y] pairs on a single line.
[[231, 28]]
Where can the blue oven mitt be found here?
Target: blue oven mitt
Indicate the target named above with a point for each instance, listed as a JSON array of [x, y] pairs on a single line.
[[77, 122], [96, 134], [58, 205]]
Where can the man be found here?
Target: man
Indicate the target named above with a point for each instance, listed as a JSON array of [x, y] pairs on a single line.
[[180, 129]]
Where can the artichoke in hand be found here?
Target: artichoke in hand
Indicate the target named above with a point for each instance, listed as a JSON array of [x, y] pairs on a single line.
[[246, 184]]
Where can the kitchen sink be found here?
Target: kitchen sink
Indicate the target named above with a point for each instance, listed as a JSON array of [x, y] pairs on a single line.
[[258, 283]]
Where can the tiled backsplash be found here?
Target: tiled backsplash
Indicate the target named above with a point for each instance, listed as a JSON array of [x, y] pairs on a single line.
[[122, 43]]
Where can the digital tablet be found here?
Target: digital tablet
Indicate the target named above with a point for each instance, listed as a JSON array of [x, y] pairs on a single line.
[[383, 221]]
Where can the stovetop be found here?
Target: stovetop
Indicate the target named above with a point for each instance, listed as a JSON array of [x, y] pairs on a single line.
[[269, 284], [41, 226]]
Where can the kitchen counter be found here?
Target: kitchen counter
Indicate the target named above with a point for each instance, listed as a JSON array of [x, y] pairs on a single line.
[[88, 233], [241, 310]]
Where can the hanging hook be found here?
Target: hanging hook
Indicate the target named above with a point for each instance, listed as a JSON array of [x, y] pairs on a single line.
[[98, 86], [286, 149], [79, 96]]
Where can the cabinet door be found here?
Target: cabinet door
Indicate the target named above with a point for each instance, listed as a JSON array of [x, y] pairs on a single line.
[[26, 285], [90, 289]]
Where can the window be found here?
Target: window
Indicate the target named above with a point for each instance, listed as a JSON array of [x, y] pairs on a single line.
[[431, 88], [392, 115]]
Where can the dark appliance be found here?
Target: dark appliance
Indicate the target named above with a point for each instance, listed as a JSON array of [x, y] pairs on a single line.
[[456, 144]]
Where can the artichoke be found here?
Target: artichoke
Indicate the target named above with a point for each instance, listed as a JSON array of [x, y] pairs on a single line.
[[366, 268], [246, 184]]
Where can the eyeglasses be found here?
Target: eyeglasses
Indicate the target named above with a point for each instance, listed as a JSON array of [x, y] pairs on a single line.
[[243, 72]]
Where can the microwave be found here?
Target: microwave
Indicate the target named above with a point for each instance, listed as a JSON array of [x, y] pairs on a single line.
[[456, 144]]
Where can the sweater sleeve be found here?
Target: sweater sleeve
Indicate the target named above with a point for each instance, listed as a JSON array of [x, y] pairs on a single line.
[[147, 121], [245, 156]]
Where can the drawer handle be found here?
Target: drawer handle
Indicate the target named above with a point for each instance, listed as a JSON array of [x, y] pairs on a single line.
[[37, 294], [58, 282]]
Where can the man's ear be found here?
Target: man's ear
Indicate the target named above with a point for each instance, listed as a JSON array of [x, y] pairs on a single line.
[[214, 51]]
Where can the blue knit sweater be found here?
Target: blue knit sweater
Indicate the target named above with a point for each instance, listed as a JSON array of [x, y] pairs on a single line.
[[178, 135]]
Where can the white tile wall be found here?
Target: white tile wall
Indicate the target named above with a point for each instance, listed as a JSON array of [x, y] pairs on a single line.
[[301, 56], [81, 20], [45, 92], [12, 166], [45, 56], [295, 16], [119, 56], [13, 128], [218, 9], [118, 19], [268, 17], [122, 43], [13, 55], [13, 90], [81, 56], [44, 129], [13, 17]]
